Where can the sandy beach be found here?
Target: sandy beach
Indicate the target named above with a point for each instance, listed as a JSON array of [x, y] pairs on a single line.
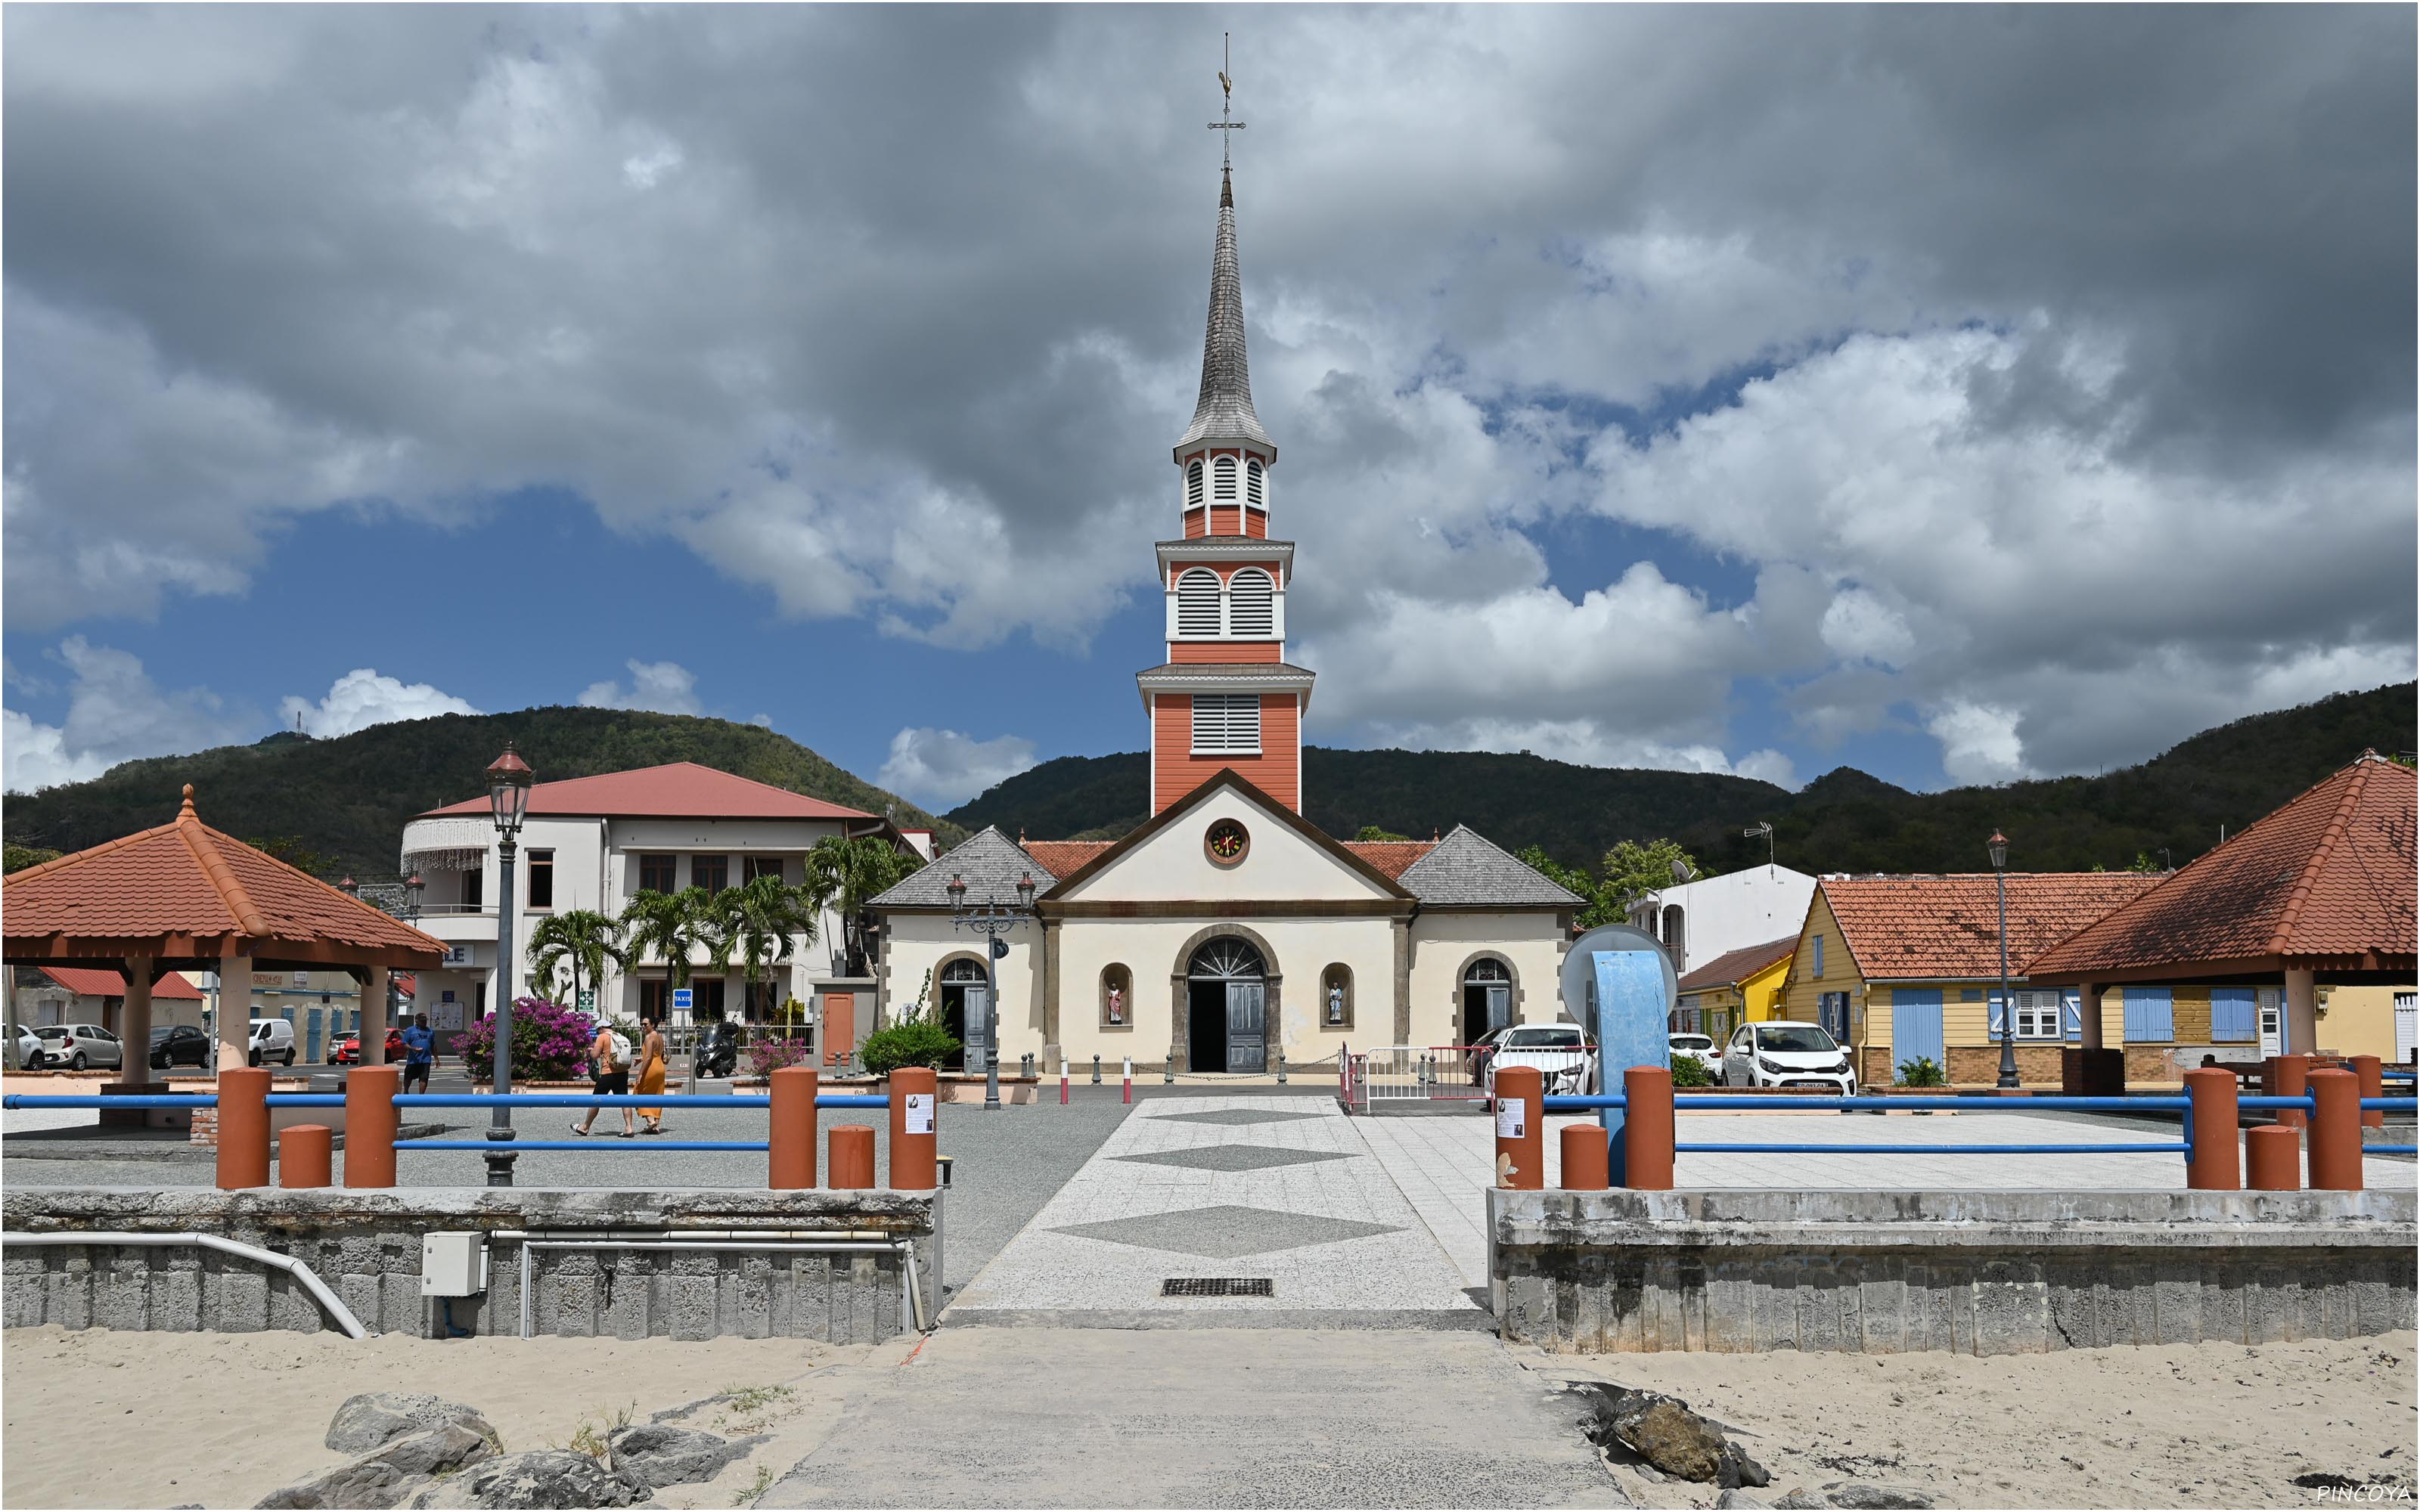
[[222, 1419]]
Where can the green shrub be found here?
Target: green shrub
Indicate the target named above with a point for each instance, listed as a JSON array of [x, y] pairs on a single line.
[[919, 1043], [1688, 1071], [1921, 1072]]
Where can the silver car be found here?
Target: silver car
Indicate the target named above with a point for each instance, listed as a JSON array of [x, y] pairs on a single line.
[[77, 1047]]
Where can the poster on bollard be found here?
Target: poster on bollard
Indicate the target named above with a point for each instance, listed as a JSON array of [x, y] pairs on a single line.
[[1619, 981], [1512, 1116], [919, 1113]]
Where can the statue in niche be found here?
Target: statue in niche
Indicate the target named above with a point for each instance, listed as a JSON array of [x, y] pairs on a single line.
[[1117, 1005], [1335, 1002]]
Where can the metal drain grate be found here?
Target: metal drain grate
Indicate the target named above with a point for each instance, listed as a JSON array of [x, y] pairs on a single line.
[[1216, 1286]]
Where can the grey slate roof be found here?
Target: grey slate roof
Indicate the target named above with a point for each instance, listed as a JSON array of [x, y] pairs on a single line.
[[989, 861], [1271, 674], [1467, 870], [1224, 411]]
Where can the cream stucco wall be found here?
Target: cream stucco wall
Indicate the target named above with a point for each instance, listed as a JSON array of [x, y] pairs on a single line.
[[918, 943], [1442, 942]]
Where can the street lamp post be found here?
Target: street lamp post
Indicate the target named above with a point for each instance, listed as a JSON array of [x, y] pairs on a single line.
[[508, 785], [991, 918], [1999, 848]]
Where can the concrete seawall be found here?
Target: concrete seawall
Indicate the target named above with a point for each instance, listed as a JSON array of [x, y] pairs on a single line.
[[365, 1246], [1976, 1273]]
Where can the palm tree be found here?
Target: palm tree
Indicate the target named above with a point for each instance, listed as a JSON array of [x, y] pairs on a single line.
[[581, 939], [854, 871], [763, 917], [671, 925]]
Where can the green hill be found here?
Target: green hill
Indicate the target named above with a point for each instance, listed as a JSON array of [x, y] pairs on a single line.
[[1844, 821], [345, 800]]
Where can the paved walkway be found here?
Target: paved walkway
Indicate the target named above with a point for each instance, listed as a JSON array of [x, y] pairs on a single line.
[[1282, 1190]]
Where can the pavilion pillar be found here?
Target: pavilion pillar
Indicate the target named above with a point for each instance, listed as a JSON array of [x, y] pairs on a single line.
[[2301, 1013], [374, 1018], [134, 1043], [235, 1011]]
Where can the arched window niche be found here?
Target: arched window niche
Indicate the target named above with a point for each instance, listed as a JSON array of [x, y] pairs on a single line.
[[1335, 997], [1222, 480], [1117, 996], [1193, 484]]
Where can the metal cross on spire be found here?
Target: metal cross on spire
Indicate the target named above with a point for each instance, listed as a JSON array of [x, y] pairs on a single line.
[[1226, 100]]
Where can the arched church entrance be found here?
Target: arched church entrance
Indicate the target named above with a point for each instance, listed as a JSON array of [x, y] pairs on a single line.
[[965, 998], [1486, 997], [1227, 1007]]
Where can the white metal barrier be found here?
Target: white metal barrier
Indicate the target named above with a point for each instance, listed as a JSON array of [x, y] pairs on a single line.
[[1400, 1074]]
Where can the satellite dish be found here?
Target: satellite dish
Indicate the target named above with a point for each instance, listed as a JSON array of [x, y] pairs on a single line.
[[1682, 871]]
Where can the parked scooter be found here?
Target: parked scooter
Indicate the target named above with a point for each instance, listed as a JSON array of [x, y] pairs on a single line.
[[719, 1052]]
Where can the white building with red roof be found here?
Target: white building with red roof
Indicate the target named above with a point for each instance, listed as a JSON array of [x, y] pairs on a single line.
[[594, 841]]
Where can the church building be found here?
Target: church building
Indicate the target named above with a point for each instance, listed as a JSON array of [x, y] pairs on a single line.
[[1227, 929]]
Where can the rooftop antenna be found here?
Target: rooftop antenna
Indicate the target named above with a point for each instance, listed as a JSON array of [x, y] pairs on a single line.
[[1226, 100], [1763, 828]]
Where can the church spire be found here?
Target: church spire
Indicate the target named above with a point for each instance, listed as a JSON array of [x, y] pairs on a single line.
[[1224, 411]]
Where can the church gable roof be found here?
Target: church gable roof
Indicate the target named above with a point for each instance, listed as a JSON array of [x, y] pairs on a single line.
[[1466, 870], [1227, 781]]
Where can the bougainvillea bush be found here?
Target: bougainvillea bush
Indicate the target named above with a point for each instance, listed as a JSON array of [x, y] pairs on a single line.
[[550, 1042], [767, 1055]]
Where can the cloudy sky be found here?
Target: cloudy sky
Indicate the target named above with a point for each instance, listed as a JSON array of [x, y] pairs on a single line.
[[1957, 394]]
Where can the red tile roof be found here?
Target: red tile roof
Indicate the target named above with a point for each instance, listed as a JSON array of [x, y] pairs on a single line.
[[1732, 967], [1947, 928], [1061, 857], [682, 789], [86, 981], [1392, 856], [184, 891], [2326, 880]]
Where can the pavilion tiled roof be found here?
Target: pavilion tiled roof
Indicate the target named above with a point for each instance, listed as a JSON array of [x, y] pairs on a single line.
[[90, 982], [2328, 879], [1732, 967], [184, 889], [988, 861], [1469, 871], [678, 789], [1947, 928]]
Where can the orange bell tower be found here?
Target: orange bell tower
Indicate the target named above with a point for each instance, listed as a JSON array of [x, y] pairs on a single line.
[[1226, 697]]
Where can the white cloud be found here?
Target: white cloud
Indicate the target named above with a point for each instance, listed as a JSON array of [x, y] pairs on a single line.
[[1979, 743], [116, 713], [1769, 766], [662, 686], [943, 768], [365, 697]]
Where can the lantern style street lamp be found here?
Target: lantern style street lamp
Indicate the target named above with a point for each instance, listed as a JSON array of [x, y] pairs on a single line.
[[508, 788], [1998, 846], [991, 918]]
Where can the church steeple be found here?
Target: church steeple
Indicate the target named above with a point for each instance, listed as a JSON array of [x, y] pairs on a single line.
[[1224, 411]]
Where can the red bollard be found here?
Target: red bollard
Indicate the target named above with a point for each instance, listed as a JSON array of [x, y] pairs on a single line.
[[2373, 1083], [913, 1139], [1126, 1093], [1646, 1128], [790, 1132], [2335, 1131], [244, 1128], [853, 1158], [370, 1122], [2211, 1164], [303, 1155], [1584, 1158], [2287, 1077], [2275, 1157], [1520, 1129], [1063, 1081]]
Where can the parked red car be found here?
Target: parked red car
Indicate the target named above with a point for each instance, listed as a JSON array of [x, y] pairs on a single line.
[[347, 1051]]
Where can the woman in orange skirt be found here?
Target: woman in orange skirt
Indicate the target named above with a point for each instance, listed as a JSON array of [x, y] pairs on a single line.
[[651, 1076]]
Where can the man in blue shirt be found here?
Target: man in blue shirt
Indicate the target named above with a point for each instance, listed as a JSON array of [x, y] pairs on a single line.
[[419, 1052]]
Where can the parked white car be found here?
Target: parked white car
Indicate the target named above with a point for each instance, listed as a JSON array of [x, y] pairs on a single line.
[[1561, 1052], [1780, 1052], [27, 1047], [271, 1040], [1699, 1048], [77, 1047]]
